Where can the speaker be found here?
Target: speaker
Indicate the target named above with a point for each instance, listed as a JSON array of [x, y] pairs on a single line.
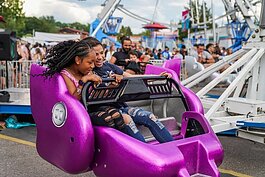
[[8, 46]]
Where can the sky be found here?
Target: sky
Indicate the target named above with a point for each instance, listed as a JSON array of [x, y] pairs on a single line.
[[85, 11]]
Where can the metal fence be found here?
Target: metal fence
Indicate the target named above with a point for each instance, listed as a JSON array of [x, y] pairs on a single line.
[[14, 74]]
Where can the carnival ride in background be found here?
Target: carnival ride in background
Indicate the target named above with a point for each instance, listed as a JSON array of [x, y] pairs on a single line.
[[241, 106], [239, 24], [106, 24], [241, 29]]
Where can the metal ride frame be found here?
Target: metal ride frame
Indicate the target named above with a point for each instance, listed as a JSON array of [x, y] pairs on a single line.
[[109, 7], [232, 110]]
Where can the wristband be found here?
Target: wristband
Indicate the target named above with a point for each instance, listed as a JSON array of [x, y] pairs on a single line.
[[81, 83]]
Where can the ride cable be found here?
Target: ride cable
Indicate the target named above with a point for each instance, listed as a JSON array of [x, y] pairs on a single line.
[[133, 15]]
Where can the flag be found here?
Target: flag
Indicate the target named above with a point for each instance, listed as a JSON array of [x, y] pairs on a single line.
[[185, 20]]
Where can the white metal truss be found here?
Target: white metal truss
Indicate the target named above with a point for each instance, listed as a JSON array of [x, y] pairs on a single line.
[[233, 109]]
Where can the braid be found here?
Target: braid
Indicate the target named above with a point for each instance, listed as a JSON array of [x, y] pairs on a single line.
[[63, 55]]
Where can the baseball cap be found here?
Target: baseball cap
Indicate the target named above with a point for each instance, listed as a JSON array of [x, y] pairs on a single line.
[[2, 19]]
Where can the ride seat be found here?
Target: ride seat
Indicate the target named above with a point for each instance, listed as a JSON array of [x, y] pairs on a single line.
[[169, 122], [75, 146], [174, 64], [65, 136], [192, 66]]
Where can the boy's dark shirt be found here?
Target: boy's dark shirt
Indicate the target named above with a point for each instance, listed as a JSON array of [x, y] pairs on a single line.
[[104, 72], [107, 69], [120, 58], [132, 65]]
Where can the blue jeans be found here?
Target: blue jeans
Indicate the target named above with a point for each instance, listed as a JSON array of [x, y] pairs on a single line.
[[131, 130], [148, 119]]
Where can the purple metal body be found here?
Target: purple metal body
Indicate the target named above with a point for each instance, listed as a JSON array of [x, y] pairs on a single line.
[[61, 146], [110, 153]]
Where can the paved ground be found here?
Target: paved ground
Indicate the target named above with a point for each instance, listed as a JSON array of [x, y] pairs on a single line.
[[20, 159]]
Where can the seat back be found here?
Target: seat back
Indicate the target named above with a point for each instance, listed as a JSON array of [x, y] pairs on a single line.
[[192, 65], [194, 103], [65, 136], [174, 64]]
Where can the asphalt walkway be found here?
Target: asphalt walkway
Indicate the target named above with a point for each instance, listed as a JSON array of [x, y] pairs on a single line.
[[19, 158]]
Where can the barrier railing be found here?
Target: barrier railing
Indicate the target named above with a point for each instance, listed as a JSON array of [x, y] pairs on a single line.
[[14, 74]]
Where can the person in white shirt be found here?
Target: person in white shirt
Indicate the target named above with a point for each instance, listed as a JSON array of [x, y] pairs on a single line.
[[110, 52]]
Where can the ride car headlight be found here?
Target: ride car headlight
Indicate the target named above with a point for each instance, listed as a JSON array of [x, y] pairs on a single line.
[[59, 114]]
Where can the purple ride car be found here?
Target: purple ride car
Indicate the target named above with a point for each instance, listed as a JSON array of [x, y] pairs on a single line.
[[67, 139]]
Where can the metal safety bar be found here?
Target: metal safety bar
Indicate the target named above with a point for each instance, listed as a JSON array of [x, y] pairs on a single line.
[[131, 89]]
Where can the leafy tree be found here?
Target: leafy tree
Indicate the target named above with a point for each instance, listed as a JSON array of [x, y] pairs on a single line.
[[32, 23], [208, 14], [75, 25], [124, 31], [49, 24], [11, 10], [145, 33], [43, 24], [79, 26]]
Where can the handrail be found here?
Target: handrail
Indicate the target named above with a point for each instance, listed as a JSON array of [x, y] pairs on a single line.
[[131, 89]]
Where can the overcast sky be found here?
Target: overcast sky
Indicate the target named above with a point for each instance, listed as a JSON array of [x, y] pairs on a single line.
[[85, 11]]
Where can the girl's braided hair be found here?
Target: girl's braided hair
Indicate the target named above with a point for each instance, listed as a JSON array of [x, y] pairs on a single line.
[[63, 55]]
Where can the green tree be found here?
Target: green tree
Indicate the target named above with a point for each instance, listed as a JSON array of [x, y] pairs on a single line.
[[42, 24], [75, 25], [124, 31], [49, 24], [11, 10], [32, 23], [208, 14], [79, 26], [145, 33]]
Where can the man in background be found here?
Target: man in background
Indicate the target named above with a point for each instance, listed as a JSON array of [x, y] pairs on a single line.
[[122, 57]]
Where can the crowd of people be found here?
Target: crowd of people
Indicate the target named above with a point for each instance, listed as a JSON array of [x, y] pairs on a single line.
[[35, 52], [209, 54], [132, 57], [132, 54], [25, 55]]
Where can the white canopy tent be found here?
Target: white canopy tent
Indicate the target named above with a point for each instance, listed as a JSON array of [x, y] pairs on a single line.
[[50, 38]]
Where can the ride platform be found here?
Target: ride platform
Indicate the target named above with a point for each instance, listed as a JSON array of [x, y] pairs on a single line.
[[19, 102]]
